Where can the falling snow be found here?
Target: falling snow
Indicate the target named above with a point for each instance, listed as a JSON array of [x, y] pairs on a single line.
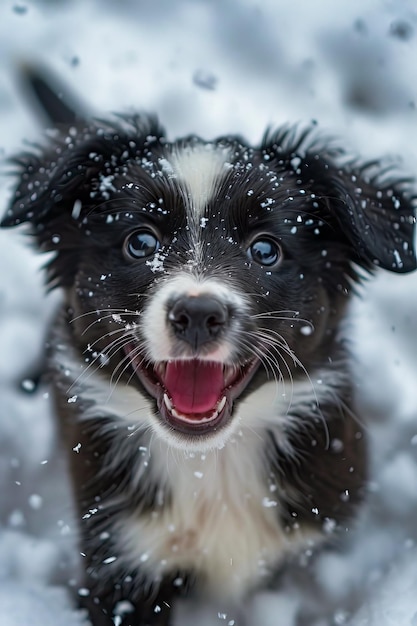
[[157, 263], [106, 185], [345, 48]]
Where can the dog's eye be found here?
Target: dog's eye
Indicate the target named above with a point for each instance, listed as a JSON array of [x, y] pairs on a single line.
[[265, 251], [140, 244]]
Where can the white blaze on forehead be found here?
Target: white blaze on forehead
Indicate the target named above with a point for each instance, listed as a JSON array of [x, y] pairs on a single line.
[[199, 169]]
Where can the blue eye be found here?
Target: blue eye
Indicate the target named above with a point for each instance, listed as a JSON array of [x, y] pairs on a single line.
[[265, 251], [140, 244]]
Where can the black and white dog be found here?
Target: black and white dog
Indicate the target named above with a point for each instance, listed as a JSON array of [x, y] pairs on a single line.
[[198, 365]]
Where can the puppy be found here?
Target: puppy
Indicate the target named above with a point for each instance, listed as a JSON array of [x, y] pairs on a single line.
[[198, 365]]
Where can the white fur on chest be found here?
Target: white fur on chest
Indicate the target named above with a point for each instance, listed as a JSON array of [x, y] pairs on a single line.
[[222, 522]]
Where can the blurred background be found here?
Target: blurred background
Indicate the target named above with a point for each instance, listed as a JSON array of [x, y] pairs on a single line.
[[212, 67]]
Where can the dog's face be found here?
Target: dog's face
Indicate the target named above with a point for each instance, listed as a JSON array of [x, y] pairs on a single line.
[[199, 272]]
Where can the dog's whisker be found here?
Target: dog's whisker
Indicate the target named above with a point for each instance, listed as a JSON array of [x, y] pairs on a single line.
[[279, 343], [274, 353], [104, 313], [297, 361], [276, 316], [120, 369], [116, 331], [96, 362], [268, 360], [122, 366], [99, 320], [272, 312]]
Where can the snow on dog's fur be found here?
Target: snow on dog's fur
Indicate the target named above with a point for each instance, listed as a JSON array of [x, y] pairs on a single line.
[[199, 368]]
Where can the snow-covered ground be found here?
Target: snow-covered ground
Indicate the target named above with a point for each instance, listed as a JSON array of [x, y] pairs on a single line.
[[218, 67]]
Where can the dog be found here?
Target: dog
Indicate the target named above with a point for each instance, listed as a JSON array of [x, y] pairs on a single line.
[[199, 364]]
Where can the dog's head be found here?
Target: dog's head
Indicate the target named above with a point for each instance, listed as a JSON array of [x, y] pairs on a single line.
[[199, 270]]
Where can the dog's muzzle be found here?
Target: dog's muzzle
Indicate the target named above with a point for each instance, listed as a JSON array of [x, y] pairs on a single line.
[[195, 394]]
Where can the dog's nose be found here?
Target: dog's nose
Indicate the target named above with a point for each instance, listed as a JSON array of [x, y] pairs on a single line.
[[198, 319]]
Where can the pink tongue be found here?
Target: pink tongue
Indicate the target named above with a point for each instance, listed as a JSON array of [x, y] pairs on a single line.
[[194, 386]]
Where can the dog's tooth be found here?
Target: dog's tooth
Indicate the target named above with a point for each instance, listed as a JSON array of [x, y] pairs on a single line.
[[229, 374], [168, 404], [175, 413], [160, 368], [221, 404], [184, 418]]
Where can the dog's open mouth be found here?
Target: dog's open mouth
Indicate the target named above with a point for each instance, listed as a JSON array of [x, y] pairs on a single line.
[[194, 396]]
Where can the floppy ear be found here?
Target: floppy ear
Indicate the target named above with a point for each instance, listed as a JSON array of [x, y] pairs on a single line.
[[60, 184], [369, 207], [375, 211], [378, 218]]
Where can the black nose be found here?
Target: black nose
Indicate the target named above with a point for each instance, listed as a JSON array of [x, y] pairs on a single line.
[[198, 319]]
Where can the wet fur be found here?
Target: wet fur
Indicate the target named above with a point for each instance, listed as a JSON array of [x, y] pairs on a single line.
[[162, 515]]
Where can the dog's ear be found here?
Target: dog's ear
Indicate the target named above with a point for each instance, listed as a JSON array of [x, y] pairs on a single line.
[[370, 207], [52, 100], [59, 185], [375, 210]]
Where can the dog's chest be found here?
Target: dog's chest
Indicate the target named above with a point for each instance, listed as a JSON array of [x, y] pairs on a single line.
[[222, 521]]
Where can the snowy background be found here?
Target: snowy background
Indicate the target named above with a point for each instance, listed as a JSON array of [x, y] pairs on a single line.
[[214, 67]]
